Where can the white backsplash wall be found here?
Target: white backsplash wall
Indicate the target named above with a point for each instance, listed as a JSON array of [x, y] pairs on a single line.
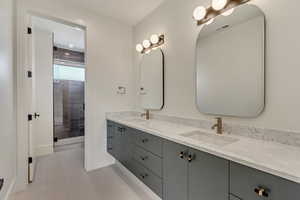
[[174, 19]]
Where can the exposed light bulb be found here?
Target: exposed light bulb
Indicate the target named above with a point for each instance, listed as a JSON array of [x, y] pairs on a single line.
[[228, 12], [154, 39], [146, 44], [219, 4], [139, 48], [199, 13], [210, 21]]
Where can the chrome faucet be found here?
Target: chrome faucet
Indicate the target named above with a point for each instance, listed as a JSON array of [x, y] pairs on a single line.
[[146, 114], [218, 125]]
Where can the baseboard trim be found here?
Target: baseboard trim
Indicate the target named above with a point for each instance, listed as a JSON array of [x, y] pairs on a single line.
[[44, 150], [68, 141], [68, 147], [10, 190]]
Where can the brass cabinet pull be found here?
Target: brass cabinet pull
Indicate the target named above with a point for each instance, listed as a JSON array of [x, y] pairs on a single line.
[[191, 158], [183, 154], [262, 192]]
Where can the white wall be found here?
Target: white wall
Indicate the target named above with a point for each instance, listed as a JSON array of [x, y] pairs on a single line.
[[7, 98], [174, 19], [109, 63]]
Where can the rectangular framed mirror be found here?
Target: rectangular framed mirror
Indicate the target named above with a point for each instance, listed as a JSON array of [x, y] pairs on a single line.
[[230, 64], [152, 80]]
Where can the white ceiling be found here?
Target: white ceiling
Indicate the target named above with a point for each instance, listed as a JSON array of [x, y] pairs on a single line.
[[128, 11], [64, 35]]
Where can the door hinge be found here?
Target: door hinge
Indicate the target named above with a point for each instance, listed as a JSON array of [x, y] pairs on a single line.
[[29, 160], [29, 74], [29, 30], [29, 116], [1, 183]]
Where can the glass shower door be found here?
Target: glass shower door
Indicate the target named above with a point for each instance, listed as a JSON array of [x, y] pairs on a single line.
[[68, 103]]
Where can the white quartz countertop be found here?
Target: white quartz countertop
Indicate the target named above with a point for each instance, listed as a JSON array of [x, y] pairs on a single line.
[[274, 158]]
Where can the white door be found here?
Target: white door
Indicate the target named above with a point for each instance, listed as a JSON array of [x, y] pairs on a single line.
[[41, 126]]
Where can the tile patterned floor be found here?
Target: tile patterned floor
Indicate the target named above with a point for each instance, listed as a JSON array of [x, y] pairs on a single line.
[[61, 177]]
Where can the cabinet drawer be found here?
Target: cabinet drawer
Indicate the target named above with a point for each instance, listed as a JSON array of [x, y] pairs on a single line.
[[148, 160], [149, 178], [149, 142], [246, 183]]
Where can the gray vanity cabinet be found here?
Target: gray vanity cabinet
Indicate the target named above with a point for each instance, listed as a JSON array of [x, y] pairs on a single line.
[[174, 172], [123, 144], [250, 184], [177, 172], [119, 142], [208, 176], [149, 142], [139, 152], [190, 174]]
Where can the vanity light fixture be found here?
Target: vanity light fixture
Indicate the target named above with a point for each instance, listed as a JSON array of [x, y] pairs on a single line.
[[219, 7], [155, 42]]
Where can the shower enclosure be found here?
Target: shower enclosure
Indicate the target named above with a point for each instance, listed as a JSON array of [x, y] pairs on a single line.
[[68, 94], [68, 109]]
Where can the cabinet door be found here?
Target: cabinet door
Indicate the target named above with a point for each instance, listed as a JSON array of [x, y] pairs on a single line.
[[208, 177], [127, 147], [174, 172], [245, 183], [110, 138], [117, 142]]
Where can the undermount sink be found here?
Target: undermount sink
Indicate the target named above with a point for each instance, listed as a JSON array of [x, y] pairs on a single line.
[[219, 140]]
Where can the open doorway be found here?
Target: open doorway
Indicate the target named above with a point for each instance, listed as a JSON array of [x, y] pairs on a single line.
[[57, 88]]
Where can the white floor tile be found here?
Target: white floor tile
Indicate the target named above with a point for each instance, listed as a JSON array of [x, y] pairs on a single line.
[[61, 176]]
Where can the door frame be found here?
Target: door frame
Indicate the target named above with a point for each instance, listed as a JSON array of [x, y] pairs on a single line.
[[23, 65]]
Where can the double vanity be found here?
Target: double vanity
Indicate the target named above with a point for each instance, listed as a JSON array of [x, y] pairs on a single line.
[[180, 162]]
